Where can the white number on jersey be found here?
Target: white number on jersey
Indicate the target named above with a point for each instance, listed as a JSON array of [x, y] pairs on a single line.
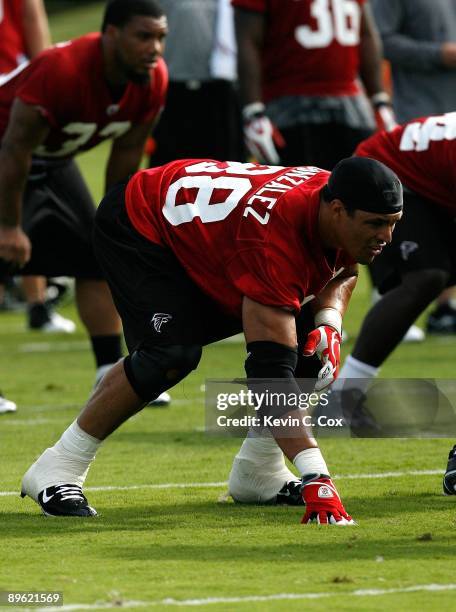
[[83, 133], [418, 136], [232, 167], [202, 207], [336, 20]]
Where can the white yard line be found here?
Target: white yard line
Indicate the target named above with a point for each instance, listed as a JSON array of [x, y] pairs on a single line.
[[430, 588], [212, 485]]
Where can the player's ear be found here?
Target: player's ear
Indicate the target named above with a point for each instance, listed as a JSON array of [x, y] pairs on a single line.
[[111, 31], [337, 208]]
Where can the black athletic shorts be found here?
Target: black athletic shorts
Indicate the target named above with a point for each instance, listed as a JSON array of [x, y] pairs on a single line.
[[425, 238], [320, 144], [58, 213], [158, 302]]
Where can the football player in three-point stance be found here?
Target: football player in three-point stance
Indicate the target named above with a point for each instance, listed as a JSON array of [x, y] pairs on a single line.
[[197, 250]]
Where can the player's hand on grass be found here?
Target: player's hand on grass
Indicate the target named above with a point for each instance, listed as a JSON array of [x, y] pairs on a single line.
[[15, 245], [261, 136], [325, 343], [323, 504]]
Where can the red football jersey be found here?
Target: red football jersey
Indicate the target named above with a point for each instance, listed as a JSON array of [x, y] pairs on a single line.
[[423, 155], [12, 45], [238, 229], [311, 47], [67, 84]]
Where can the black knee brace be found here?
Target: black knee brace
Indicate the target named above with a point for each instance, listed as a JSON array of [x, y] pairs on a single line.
[[153, 369]]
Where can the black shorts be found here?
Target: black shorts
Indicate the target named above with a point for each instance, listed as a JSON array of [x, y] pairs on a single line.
[[320, 144], [58, 214], [158, 302], [210, 127], [156, 299], [425, 238]]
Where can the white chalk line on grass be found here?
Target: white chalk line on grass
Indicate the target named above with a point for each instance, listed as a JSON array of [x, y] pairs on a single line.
[[211, 485], [169, 601], [17, 418]]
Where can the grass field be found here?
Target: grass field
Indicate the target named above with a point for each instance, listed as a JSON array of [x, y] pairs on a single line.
[[166, 537]]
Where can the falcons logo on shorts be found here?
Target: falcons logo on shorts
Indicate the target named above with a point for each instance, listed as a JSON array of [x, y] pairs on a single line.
[[407, 248], [158, 319]]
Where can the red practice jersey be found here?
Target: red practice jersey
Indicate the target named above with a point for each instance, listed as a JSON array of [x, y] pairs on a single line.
[[423, 155], [311, 47], [12, 44], [238, 229], [67, 84]]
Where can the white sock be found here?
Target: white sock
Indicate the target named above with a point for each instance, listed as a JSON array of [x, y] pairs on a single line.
[[310, 461], [260, 449], [355, 375], [78, 444], [67, 462]]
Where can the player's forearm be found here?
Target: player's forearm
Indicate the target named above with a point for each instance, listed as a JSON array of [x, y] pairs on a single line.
[[249, 36], [14, 169], [405, 52], [336, 295], [121, 165], [370, 69], [36, 28]]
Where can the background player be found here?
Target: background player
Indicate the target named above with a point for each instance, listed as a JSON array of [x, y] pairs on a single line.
[[67, 100], [197, 250], [24, 32], [298, 65], [421, 261]]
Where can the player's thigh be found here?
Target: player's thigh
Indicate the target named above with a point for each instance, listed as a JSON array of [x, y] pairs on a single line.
[[58, 218], [158, 302], [422, 240]]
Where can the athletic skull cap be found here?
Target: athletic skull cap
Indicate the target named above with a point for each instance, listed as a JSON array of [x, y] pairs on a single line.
[[366, 184]]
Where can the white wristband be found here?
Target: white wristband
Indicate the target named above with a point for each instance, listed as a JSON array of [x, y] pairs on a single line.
[[252, 109], [331, 317], [381, 97]]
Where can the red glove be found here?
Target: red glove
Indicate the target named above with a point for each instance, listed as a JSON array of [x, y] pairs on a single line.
[[323, 504], [261, 135], [325, 343]]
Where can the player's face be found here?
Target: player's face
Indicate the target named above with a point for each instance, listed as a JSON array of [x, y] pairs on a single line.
[[364, 234], [139, 45]]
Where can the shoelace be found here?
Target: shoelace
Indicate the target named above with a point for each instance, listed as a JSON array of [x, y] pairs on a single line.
[[70, 492]]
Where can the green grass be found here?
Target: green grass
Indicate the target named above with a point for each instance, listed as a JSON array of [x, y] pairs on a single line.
[[151, 544]]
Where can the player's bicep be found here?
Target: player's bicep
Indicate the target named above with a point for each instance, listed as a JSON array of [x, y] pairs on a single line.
[[268, 323], [27, 129]]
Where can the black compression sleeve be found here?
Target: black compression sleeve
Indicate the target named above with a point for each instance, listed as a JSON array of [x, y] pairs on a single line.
[[270, 360]]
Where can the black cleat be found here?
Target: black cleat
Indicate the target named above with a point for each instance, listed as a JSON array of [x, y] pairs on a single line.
[[350, 406], [64, 500], [449, 480], [290, 494], [442, 320]]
